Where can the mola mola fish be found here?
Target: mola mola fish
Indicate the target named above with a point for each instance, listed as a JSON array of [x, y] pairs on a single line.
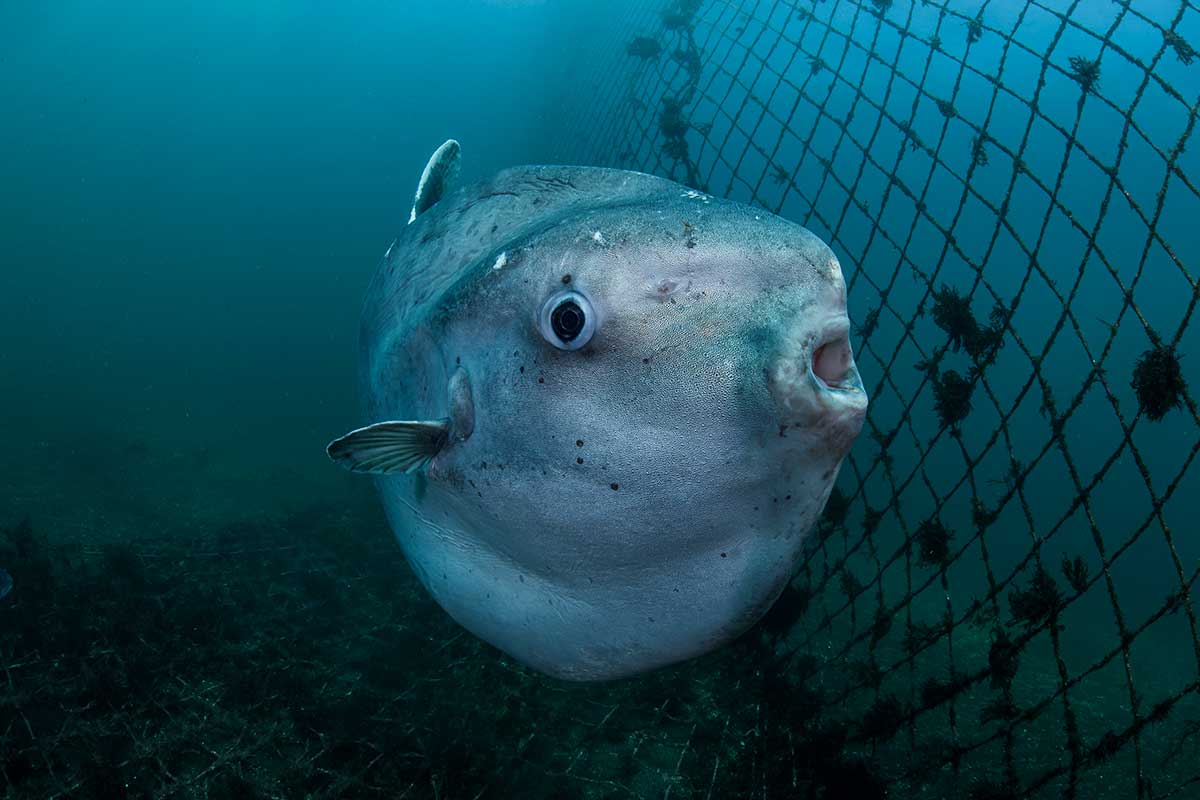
[[605, 409]]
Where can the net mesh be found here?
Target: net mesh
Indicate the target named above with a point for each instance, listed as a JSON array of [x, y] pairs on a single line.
[[1000, 597], [999, 601]]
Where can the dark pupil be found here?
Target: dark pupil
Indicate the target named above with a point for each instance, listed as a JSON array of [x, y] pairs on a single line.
[[567, 320]]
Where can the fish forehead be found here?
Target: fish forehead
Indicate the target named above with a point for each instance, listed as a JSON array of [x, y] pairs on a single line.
[[478, 222], [707, 302], [638, 226]]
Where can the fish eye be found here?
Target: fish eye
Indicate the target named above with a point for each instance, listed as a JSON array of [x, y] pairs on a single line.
[[567, 320]]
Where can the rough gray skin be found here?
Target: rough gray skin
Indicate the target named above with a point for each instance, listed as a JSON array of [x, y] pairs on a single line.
[[605, 511]]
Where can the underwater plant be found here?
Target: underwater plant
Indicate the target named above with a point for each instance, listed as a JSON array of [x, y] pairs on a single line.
[[671, 120], [933, 543], [680, 14], [1076, 572], [919, 635], [975, 28], [1158, 382], [689, 59], [1183, 51], [1039, 601], [952, 313], [644, 47], [952, 397], [1086, 72]]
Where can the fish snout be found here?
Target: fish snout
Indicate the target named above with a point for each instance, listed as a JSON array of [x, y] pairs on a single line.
[[815, 382]]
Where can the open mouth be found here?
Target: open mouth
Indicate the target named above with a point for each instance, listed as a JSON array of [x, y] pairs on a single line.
[[833, 363]]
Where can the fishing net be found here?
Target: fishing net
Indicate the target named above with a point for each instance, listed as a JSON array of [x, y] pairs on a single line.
[[1000, 599]]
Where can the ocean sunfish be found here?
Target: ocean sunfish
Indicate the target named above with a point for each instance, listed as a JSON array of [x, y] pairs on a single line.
[[606, 409]]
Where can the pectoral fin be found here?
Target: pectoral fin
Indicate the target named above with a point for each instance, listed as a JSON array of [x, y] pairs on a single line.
[[388, 447]]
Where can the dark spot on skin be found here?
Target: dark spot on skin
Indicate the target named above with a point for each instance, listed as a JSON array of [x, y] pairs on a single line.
[[650, 618], [537, 201], [495, 228], [483, 465], [579, 442], [458, 360], [566, 278], [789, 497], [472, 483], [579, 461], [522, 368], [645, 361], [724, 555], [615, 486], [541, 380]]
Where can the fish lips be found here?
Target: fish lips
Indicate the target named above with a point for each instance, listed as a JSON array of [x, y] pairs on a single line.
[[817, 385]]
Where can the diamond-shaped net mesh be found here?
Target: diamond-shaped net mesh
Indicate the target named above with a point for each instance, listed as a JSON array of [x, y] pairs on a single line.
[[1001, 594]]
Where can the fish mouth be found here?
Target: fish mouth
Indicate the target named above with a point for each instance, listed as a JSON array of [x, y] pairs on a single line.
[[831, 365], [815, 380]]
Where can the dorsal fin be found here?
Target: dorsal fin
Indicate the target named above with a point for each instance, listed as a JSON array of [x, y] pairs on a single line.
[[435, 180]]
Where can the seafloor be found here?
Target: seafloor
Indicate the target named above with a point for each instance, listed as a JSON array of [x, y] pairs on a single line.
[[184, 625]]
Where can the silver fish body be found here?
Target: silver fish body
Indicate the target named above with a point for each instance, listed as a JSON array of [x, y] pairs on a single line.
[[639, 494]]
